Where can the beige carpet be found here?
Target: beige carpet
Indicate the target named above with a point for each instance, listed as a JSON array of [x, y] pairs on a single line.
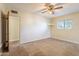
[[45, 47]]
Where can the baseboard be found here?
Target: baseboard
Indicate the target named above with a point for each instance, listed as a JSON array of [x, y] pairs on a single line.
[[14, 41], [35, 40], [67, 40], [51, 38]]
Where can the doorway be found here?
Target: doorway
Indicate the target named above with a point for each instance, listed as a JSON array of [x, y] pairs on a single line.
[[14, 32], [5, 31]]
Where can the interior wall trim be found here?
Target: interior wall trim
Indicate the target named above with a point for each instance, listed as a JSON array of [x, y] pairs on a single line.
[[66, 40]]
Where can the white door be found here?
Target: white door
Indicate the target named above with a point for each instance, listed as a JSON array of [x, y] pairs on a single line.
[[13, 28]]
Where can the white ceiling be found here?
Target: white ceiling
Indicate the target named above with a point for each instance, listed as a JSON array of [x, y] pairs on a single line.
[[35, 7]]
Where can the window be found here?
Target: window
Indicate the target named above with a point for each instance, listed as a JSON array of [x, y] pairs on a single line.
[[60, 25], [64, 24]]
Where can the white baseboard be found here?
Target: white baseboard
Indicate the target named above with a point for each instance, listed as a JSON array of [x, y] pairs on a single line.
[[13, 40], [34, 40], [75, 42]]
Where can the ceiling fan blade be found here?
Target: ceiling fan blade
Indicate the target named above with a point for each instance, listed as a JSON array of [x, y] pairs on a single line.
[[40, 10], [59, 7], [43, 11]]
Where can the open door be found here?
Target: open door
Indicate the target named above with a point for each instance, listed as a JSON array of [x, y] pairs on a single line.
[[13, 29], [5, 31]]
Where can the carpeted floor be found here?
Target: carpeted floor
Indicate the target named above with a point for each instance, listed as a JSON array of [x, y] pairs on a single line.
[[45, 47]]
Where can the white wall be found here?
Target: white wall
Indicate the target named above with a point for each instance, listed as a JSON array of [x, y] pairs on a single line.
[[33, 27], [71, 35]]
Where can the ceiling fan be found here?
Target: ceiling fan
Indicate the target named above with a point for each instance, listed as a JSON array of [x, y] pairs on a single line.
[[51, 7]]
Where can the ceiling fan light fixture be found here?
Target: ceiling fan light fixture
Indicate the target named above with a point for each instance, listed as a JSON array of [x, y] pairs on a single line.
[[50, 12], [51, 7]]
